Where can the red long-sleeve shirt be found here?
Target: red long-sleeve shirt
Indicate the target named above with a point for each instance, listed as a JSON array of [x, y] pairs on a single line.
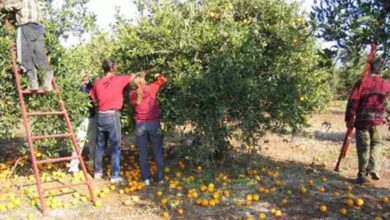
[[108, 92], [371, 108], [148, 109]]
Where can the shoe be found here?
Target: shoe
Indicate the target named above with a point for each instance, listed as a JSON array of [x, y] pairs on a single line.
[[33, 86], [361, 180], [47, 85], [98, 176], [73, 169], [147, 182], [375, 176], [116, 180]]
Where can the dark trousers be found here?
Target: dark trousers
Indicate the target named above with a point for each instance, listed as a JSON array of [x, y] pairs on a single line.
[[31, 51], [145, 131], [108, 128], [369, 145]]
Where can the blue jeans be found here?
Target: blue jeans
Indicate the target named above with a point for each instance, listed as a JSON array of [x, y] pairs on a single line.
[[108, 128], [145, 131]]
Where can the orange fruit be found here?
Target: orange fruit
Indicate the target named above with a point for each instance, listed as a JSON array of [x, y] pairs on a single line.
[[323, 208], [343, 211], [249, 217], [226, 193], [278, 213], [349, 202], [180, 211], [205, 202], [98, 203], [166, 215], [385, 199], [216, 195], [359, 202], [164, 201], [261, 216], [249, 197]]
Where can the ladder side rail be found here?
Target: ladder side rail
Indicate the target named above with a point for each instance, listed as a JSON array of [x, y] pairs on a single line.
[[26, 124], [75, 144]]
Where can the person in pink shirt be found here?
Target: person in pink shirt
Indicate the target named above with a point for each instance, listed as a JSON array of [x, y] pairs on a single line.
[[143, 98]]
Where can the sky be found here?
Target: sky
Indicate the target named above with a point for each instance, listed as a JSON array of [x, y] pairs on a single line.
[[105, 11]]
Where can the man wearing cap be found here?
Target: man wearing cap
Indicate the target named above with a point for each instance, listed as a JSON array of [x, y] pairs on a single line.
[[370, 118]]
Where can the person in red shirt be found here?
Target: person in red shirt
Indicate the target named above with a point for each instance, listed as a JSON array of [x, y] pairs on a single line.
[[143, 98], [370, 117], [107, 92]]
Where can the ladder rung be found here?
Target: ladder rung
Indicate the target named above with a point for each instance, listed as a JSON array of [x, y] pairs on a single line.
[[56, 160], [65, 186], [44, 113], [39, 91], [51, 136]]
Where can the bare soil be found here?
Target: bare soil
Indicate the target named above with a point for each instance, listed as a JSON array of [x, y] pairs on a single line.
[[282, 166]]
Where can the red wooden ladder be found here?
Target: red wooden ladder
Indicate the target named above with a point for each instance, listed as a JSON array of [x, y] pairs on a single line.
[[30, 137]]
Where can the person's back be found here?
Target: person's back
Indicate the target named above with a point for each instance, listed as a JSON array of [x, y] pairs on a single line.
[[108, 91], [371, 109], [148, 108], [370, 116], [26, 11], [148, 128]]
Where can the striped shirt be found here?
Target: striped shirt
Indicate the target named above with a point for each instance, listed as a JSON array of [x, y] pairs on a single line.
[[370, 107], [26, 11]]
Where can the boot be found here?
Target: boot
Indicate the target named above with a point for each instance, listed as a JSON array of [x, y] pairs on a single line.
[[362, 180], [33, 80], [47, 84], [375, 176]]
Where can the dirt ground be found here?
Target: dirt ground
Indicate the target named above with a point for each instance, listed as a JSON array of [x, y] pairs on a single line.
[[290, 178]]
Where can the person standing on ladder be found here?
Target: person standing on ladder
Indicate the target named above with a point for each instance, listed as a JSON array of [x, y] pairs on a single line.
[[370, 117], [30, 42]]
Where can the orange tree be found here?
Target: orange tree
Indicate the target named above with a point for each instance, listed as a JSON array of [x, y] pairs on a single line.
[[237, 68]]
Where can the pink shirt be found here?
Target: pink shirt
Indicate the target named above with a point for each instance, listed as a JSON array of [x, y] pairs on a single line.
[[148, 109], [108, 92]]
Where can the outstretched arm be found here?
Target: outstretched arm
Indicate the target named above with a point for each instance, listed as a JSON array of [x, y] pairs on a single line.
[[161, 80]]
